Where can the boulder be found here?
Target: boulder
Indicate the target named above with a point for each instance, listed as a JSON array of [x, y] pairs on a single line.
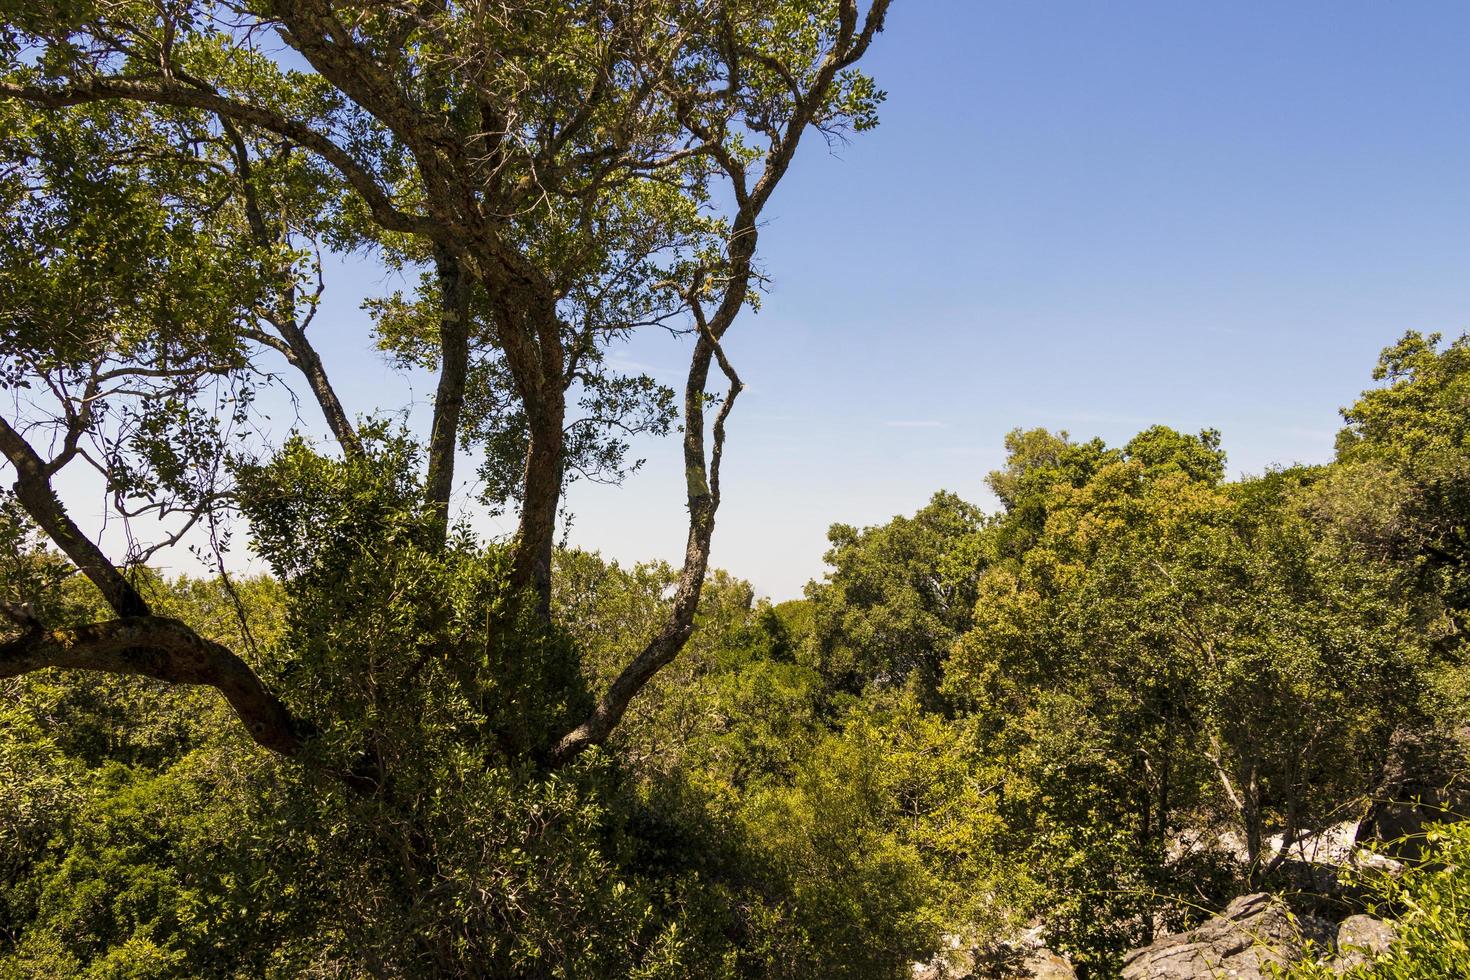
[[1426, 780], [1021, 958], [1243, 942], [1043, 964], [1360, 938]]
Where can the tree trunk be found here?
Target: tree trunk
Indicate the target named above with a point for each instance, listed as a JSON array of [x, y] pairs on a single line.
[[531, 335], [306, 360], [454, 352], [536, 537], [1254, 834]]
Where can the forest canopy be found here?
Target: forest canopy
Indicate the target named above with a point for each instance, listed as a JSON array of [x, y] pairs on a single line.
[[1096, 712], [1053, 712]]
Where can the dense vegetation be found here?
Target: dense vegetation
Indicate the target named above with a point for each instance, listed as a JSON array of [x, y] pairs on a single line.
[[1056, 711], [408, 751]]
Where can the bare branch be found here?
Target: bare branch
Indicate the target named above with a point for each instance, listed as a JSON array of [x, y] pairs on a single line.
[[702, 474]]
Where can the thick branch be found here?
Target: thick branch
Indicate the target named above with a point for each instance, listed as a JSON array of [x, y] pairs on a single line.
[[529, 331], [33, 490], [163, 649], [137, 643], [314, 30]]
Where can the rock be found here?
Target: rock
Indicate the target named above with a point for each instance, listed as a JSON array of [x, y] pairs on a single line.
[[1254, 933], [1373, 861], [1360, 938], [954, 961], [1333, 846], [1426, 780], [1043, 964], [1021, 958]]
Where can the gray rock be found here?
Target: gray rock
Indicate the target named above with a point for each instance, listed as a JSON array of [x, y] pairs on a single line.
[[1242, 942], [1043, 964], [1020, 958], [1360, 938], [1426, 780]]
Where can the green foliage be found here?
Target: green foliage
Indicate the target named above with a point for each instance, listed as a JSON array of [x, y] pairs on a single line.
[[123, 805], [1056, 713], [897, 596], [1169, 652], [106, 250], [840, 840], [1410, 439]]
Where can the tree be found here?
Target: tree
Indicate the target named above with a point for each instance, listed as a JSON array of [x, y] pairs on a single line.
[[1403, 486], [897, 596], [1171, 654], [558, 175], [555, 170]]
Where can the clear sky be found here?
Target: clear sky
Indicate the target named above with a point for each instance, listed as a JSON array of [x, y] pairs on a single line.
[[1084, 216]]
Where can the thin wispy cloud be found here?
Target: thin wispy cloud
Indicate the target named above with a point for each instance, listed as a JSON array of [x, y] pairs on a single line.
[[621, 362]]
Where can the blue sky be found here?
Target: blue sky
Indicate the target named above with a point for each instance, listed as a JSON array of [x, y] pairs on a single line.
[[1083, 216]]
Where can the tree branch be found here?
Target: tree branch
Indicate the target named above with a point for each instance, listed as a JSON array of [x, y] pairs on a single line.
[[702, 474], [300, 353], [164, 93], [163, 649], [33, 490], [138, 642], [703, 501]]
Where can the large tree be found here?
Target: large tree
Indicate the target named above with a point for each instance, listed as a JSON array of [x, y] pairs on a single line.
[[560, 174]]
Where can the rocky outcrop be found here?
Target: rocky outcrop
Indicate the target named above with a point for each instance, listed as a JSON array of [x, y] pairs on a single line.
[[1319, 880], [1243, 942], [1254, 935]]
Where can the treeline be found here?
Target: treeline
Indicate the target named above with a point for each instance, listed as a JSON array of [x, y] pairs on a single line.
[[1093, 709]]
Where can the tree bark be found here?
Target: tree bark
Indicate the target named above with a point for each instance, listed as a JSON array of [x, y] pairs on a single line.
[[536, 535], [454, 353], [163, 649], [530, 333], [33, 490], [702, 475]]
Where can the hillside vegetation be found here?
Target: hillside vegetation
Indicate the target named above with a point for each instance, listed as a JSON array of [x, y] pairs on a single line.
[[1092, 709]]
